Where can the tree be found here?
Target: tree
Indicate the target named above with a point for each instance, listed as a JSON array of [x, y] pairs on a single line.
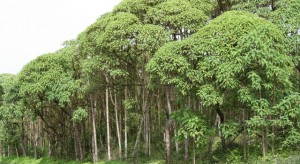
[[47, 87], [12, 116], [236, 52]]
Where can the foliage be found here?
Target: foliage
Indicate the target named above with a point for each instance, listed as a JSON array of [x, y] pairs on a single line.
[[173, 14], [79, 115], [230, 128], [237, 71], [192, 126]]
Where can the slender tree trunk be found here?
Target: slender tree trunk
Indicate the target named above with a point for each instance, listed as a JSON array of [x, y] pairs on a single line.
[[8, 151], [49, 148], [138, 137], [167, 128], [145, 110], [1, 149], [83, 132], [186, 150], [176, 142], [158, 108], [23, 141], [146, 121], [118, 128], [94, 135], [125, 124], [212, 138], [245, 137], [81, 156], [264, 142], [17, 152], [167, 141], [221, 115], [35, 142], [194, 151], [107, 119], [75, 142]]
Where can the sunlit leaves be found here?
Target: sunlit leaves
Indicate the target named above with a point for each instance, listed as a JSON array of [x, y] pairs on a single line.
[[177, 15], [210, 96], [79, 115], [170, 67], [136, 7], [192, 126], [47, 77], [230, 128]]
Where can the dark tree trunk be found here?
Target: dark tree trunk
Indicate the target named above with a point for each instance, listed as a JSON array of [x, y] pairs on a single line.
[[222, 119]]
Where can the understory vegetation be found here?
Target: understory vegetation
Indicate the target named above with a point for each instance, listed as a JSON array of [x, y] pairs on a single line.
[[163, 81]]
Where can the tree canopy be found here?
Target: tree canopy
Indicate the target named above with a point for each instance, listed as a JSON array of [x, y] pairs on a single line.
[[213, 81]]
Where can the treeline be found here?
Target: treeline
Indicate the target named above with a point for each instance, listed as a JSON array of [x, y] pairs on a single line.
[[173, 79]]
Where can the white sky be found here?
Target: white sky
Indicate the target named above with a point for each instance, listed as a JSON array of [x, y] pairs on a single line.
[[29, 28]]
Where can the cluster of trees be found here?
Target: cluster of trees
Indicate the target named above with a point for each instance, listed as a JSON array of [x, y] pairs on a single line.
[[182, 78]]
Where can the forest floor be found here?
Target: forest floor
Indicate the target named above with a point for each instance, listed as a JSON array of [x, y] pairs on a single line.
[[293, 159], [46, 160]]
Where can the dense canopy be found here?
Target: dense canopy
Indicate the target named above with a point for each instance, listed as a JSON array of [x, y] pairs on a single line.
[[213, 81]]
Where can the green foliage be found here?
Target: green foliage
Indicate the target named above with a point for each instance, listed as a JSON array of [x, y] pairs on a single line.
[[177, 15], [170, 67], [47, 78], [239, 63], [261, 7], [192, 126], [221, 54], [293, 139], [234, 157], [11, 110], [136, 7], [129, 104], [237, 52], [286, 17], [230, 128], [210, 96], [79, 115]]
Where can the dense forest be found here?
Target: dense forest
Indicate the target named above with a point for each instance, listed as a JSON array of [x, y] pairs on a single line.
[[215, 81]]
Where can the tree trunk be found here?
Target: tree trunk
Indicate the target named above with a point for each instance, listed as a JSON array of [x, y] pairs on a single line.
[[23, 141], [107, 119], [138, 137], [158, 108], [146, 121], [125, 124], [1, 149], [75, 142], [167, 128], [245, 137], [94, 135], [221, 115], [194, 151], [176, 142], [35, 142], [264, 142], [17, 152], [186, 150], [118, 128], [167, 141]]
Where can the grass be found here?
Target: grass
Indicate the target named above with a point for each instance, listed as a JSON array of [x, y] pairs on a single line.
[[290, 158], [46, 160]]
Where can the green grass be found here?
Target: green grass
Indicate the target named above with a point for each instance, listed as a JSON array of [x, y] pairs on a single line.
[[29, 160], [290, 158], [46, 160]]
